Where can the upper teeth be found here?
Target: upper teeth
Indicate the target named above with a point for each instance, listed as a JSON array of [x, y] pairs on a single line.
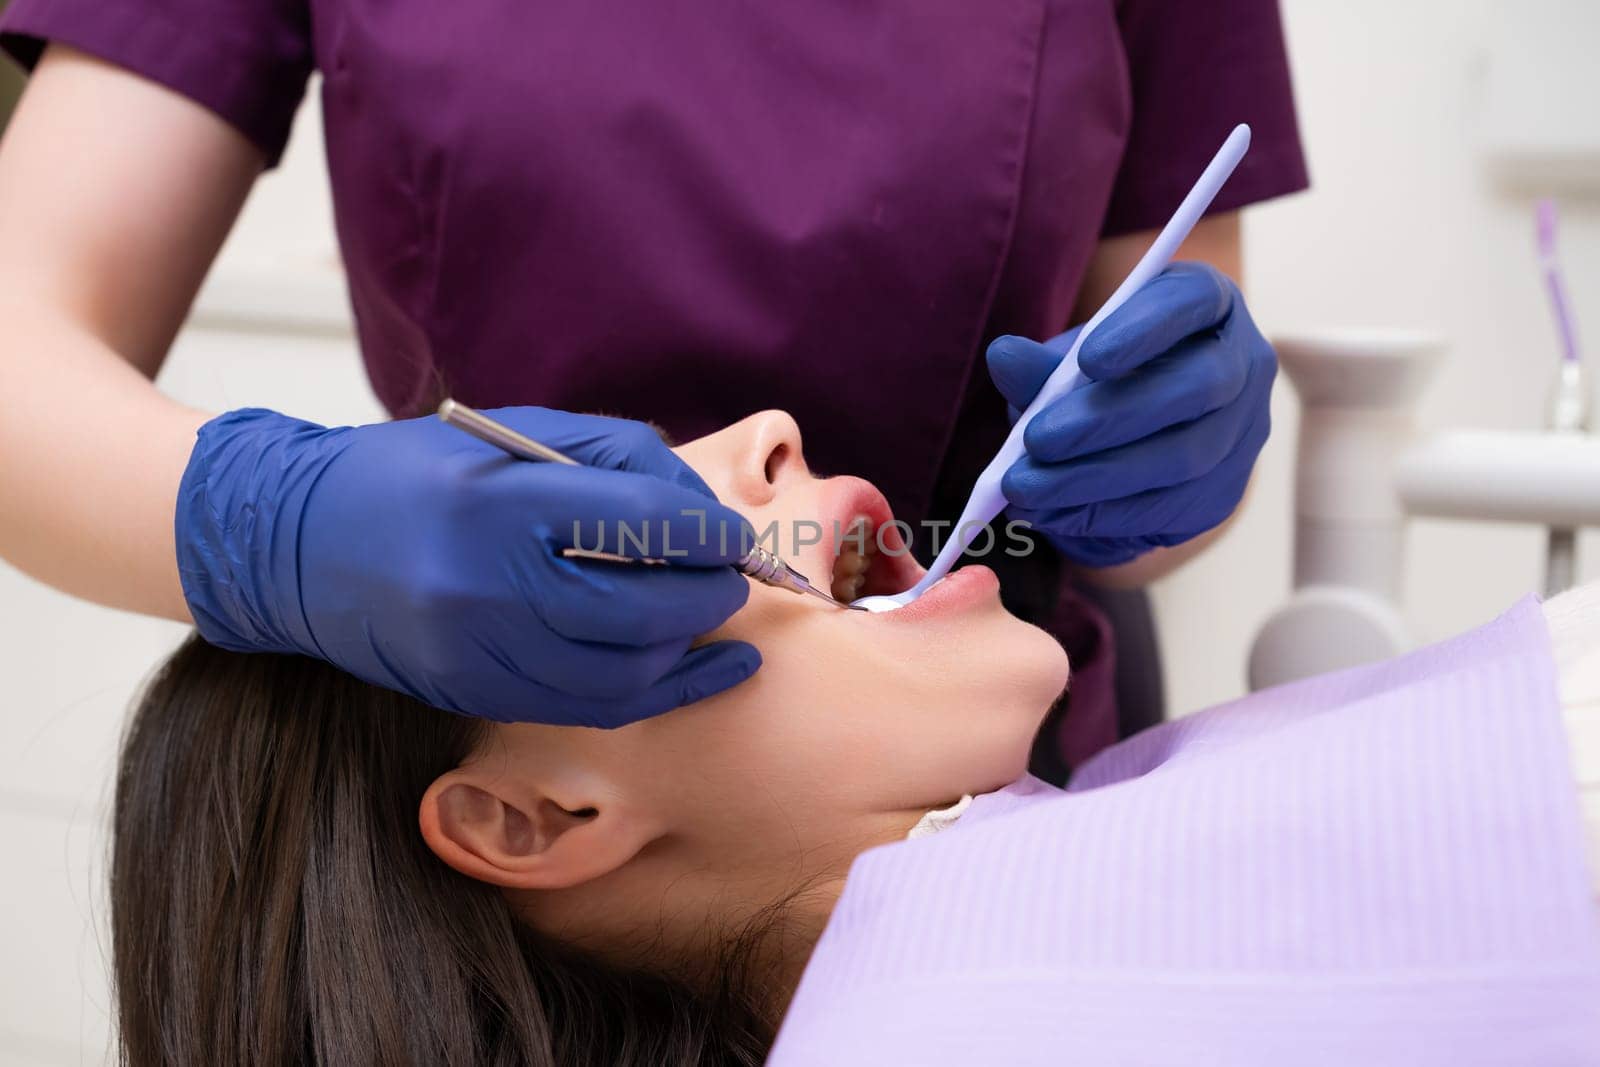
[[856, 551]]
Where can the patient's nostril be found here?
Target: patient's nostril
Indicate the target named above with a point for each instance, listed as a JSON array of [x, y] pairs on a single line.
[[775, 461]]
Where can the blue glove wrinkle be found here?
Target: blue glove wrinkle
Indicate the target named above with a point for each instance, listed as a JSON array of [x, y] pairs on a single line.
[[667, 601], [605, 442], [1181, 301], [1168, 456], [1161, 517], [589, 508], [1019, 368], [230, 495], [1192, 381]]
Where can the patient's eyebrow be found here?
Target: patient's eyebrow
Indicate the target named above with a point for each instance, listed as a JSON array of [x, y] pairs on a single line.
[[661, 432]]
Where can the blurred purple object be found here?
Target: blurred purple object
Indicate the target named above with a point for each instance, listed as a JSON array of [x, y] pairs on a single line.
[[1548, 223]]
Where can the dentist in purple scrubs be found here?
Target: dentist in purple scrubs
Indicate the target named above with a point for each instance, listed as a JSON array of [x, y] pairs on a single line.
[[881, 216]]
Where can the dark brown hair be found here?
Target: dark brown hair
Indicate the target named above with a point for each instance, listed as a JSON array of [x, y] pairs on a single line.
[[273, 901]]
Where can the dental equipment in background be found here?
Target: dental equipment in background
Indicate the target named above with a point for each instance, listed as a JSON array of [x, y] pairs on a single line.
[[757, 564], [1569, 401], [987, 499]]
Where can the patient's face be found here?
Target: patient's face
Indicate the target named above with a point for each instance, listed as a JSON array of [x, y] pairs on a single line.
[[856, 722], [853, 727], [902, 710]]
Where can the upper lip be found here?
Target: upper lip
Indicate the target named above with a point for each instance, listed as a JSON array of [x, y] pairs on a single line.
[[843, 499]]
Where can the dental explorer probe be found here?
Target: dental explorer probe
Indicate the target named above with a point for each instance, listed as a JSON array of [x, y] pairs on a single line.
[[757, 564]]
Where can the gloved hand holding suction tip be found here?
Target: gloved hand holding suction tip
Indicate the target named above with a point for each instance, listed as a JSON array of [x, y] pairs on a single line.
[[1146, 315], [1156, 445]]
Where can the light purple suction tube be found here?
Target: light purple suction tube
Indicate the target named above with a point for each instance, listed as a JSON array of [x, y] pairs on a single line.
[[987, 500]]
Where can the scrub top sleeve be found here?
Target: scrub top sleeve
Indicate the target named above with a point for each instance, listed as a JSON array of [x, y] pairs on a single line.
[[1196, 70], [248, 60]]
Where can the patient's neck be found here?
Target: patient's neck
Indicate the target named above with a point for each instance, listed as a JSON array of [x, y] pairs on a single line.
[[685, 909]]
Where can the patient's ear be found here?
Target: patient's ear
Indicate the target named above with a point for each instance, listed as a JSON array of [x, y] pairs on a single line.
[[522, 833]]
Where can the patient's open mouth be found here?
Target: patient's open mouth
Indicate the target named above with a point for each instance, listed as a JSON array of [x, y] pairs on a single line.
[[866, 548], [858, 551]]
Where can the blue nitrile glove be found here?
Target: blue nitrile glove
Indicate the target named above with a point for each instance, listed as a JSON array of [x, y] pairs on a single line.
[[421, 559], [1157, 446]]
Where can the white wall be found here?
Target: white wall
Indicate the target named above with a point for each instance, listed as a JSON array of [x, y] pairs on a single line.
[[1403, 229]]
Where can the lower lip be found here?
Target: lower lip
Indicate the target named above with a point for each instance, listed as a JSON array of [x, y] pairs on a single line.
[[963, 589]]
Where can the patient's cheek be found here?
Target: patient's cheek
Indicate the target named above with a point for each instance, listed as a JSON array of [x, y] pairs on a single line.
[[778, 622]]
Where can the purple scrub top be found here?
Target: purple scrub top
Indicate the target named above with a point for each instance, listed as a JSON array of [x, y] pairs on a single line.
[[690, 212]]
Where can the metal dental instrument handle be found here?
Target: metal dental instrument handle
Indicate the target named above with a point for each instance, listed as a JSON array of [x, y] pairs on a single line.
[[770, 569], [501, 436], [757, 564]]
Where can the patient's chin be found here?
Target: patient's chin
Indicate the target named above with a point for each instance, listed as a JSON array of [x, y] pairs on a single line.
[[1011, 712], [1037, 688], [1043, 671]]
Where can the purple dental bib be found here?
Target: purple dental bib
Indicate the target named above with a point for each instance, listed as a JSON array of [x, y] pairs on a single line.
[[1381, 866]]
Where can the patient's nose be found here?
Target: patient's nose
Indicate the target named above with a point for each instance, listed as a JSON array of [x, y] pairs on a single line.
[[768, 454]]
